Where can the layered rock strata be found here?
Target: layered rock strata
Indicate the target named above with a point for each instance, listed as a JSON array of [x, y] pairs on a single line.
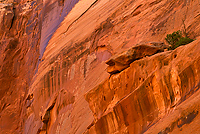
[[22, 32], [119, 62], [47, 71], [20, 24], [74, 60], [136, 98]]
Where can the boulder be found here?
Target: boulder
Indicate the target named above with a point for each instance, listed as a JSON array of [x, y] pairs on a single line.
[[121, 61]]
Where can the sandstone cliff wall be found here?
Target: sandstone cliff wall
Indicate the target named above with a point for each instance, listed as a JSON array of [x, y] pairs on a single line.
[[54, 76]]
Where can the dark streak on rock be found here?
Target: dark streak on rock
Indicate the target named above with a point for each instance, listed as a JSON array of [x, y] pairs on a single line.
[[80, 16]]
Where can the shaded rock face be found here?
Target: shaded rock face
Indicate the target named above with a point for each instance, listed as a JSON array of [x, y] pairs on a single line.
[[53, 73], [53, 14], [21, 23], [19, 41]]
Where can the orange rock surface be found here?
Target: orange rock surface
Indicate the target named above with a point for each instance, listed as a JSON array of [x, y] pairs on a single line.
[[53, 71]]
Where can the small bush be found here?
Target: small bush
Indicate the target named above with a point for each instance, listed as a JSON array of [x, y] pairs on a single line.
[[176, 39], [183, 41]]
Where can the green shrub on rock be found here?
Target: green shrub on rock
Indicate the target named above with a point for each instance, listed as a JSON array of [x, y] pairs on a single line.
[[176, 39]]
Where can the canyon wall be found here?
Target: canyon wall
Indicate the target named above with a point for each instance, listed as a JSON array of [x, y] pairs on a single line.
[[54, 77]]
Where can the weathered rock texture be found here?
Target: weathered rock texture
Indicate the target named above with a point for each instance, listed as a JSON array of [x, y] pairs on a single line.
[[19, 44], [119, 62], [133, 100], [53, 72]]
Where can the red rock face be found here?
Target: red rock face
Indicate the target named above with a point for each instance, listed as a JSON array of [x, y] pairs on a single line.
[[53, 72], [136, 98], [20, 35]]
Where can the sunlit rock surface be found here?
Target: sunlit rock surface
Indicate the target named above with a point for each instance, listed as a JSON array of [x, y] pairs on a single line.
[[53, 71], [119, 62], [136, 98]]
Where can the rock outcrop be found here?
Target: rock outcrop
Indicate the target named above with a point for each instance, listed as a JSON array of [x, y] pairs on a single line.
[[53, 71], [136, 98], [119, 62]]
